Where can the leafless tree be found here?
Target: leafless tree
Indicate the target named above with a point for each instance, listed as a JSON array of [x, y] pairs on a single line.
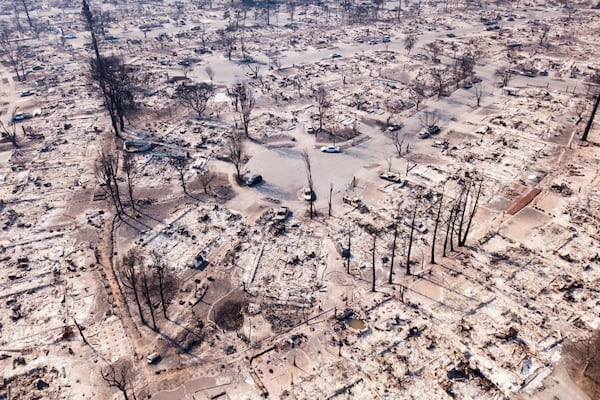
[[429, 119], [349, 251], [10, 134], [309, 179], [588, 126], [435, 228], [13, 53], [148, 286], [166, 280], [180, 164], [107, 168], [322, 100], [129, 273], [439, 78], [195, 96], [228, 40], [114, 81], [330, 196], [130, 170], [210, 73], [505, 75], [409, 43], [417, 92], [373, 277], [245, 102], [206, 177], [410, 238], [544, 29], [478, 92], [433, 49], [397, 138], [118, 375], [391, 277], [473, 209], [236, 151]]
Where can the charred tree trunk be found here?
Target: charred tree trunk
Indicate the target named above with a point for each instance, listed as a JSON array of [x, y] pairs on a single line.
[[588, 126], [148, 298], [373, 263], [391, 279], [448, 226], [410, 239], [463, 209], [349, 253], [435, 228], [462, 240]]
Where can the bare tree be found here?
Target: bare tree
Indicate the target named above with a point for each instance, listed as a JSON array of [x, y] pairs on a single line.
[[349, 252], [114, 81], [374, 234], [118, 375], [391, 277], [130, 271], [435, 228], [330, 195], [148, 290], [588, 126], [13, 53], [439, 78], [417, 91], [409, 43], [236, 151], [410, 238], [544, 29], [245, 102], [429, 119], [130, 170], [309, 179], [478, 92], [195, 96], [474, 203], [166, 280], [10, 134], [107, 168], [505, 75], [210, 73], [322, 100], [206, 178], [433, 49], [228, 40], [397, 138], [180, 164]]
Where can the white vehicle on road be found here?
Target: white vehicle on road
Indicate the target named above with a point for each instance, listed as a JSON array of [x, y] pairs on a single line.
[[331, 149]]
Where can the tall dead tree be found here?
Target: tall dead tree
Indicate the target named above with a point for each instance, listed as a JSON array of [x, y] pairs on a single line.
[[478, 92], [244, 104], [107, 168], [309, 179], [397, 138], [114, 81], [195, 96], [435, 228], [130, 171], [322, 101], [463, 239], [130, 273], [374, 234], [10, 134], [588, 126], [391, 277], [236, 151], [330, 195], [165, 279], [118, 376], [91, 24], [180, 164], [409, 43], [448, 228], [13, 53], [410, 238], [349, 252], [147, 286]]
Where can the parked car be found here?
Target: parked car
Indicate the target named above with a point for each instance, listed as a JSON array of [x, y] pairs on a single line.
[[281, 214], [308, 194], [451, 35], [423, 134], [392, 177], [310, 130], [27, 93], [394, 127], [336, 55], [372, 42], [331, 149], [254, 180], [386, 39]]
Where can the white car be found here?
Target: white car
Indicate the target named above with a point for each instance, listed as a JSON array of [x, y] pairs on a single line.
[[423, 135], [331, 149], [307, 194]]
